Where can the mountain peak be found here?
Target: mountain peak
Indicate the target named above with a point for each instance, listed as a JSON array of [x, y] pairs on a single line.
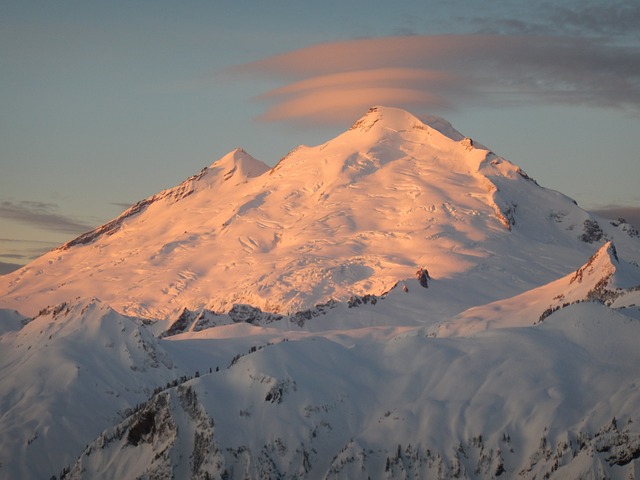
[[392, 118], [603, 262], [239, 162]]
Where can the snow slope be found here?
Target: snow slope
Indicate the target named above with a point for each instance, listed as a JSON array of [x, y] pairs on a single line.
[[351, 216], [65, 376], [604, 278], [505, 402], [397, 302]]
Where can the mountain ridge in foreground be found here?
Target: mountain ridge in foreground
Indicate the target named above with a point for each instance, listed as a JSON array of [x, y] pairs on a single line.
[[397, 302]]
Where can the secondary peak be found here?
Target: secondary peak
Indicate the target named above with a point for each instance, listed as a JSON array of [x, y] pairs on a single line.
[[241, 162]]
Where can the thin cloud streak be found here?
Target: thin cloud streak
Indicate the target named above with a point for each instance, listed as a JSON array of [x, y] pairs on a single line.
[[15, 240], [375, 77], [23, 250], [15, 256], [327, 105], [26, 251], [614, 20], [41, 215], [447, 72]]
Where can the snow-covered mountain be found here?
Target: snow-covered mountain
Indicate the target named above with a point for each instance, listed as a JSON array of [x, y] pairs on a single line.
[[396, 302], [351, 216], [503, 403]]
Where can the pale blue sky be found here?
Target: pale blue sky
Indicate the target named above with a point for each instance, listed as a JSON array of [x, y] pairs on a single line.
[[105, 103]]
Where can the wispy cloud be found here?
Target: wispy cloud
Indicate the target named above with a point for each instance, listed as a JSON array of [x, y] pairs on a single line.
[[616, 20], [612, 18], [26, 253], [334, 81], [21, 251], [15, 240], [42, 215], [15, 256]]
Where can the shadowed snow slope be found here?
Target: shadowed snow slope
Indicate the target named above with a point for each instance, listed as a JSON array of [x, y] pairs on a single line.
[[509, 401], [68, 371], [398, 302], [351, 216]]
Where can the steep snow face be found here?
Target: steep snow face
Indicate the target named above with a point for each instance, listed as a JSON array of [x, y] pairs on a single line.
[[351, 216]]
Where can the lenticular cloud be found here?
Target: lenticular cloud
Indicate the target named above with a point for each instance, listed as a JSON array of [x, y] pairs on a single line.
[[333, 81]]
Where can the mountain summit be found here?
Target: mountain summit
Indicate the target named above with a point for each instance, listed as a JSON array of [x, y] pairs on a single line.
[[352, 216]]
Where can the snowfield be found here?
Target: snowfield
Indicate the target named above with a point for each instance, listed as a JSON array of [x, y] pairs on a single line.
[[398, 302]]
